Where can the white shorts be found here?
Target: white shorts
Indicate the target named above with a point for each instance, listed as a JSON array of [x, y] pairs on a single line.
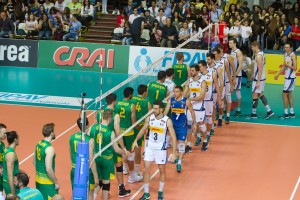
[[227, 89], [200, 116], [209, 107], [289, 85], [260, 89], [238, 83], [159, 156]]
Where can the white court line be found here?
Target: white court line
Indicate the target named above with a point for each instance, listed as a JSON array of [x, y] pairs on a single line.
[[265, 124], [60, 135], [142, 187], [295, 189]]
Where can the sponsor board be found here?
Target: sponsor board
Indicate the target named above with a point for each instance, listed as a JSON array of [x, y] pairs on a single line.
[[19, 53], [41, 99], [140, 57]]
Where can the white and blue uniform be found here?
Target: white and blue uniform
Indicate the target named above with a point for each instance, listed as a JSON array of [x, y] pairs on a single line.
[[238, 83], [226, 78], [179, 117], [263, 75], [208, 99], [290, 75]]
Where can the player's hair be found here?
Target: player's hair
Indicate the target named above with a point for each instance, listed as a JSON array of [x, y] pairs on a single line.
[[128, 91], [11, 196], [211, 55], [142, 88], [79, 124], [219, 46], [107, 114], [203, 63], [161, 75], [159, 103], [170, 72], [48, 129], [179, 55], [195, 66], [11, 136], [179, 87], [216, 49], [23, 178], [110, 98], [287, 43], [256, 44], [233, 39]]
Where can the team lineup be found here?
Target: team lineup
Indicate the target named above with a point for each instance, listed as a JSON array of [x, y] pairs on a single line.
[[196, 97]]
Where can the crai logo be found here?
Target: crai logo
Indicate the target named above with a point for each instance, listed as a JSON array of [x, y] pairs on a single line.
[[14, 53], [280, 66], [66, 56]]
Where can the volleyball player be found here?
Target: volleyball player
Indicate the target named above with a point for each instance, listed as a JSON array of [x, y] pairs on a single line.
[[181, 70]]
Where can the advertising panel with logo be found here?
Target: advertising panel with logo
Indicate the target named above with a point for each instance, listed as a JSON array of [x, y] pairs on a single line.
[[83, 56], [141, 57], [19, 53], [273, 64]]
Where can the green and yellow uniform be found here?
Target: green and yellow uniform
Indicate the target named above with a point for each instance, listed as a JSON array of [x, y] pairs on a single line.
[[6, 187], [43, 183], [181, 73], [105, 162], [2, 147], [156, 91], [74, 139], [141, 105], [123, 108]]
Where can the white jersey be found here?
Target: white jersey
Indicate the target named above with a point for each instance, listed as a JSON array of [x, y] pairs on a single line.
[[221, 64], [157, 132], [208, 78], [225, 57], [170, 85], [195, 91], [289, 73], [263, 75], [236, 61]]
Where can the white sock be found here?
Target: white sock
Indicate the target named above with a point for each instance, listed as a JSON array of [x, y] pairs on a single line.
[[146, 187], [95, 195], [286, 111], [137, 167], [292, 110], [208, 133], [179, 162], [268, 108], [198, 134], [228, 114], [220, 116], [238, 109], [161, 186], [205, 140], [189, 143], [132, 174]]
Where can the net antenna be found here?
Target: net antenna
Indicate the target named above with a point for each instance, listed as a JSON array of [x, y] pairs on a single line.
[[83, 117], [100, 106]]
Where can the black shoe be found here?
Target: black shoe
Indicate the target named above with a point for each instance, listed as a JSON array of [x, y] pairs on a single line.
[[253, 116], [204, 146], [123, 192], [292, 115], [227, 120], [237, 114], [220, 122], [284, 116], [269, 114], [188, 149]]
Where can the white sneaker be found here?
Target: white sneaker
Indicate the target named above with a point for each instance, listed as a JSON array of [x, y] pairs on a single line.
[[139, 174], [125, 169], [135, 179]]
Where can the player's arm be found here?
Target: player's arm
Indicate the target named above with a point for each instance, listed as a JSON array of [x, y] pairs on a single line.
[[188, 71], [186, 89], [118, 130], [279, 72], [93, 166], [167, 107], [48, 163], [173, 136], [202, 93], [215, 80], [230, 61], [220, 71], [190, 107], [141, 132], [294, 59], [133, 114], [10, 160], [149, 106], [240, 61], [259, 66], [232, 81], [116, 147]]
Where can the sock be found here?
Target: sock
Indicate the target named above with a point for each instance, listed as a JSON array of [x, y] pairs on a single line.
[[208, 133], [161, 186], [292, 110], [228, 114], [198, 134], [239, 109], [254, 105], [121, 186], [132, 174], [268, 108], [205, 140], [220, 116], [137, 167], [286, 111], [179, 162], [146, 187], [189, 144], [95, 195], [254, 110]]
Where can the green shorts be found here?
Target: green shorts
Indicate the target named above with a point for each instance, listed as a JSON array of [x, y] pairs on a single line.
[[105, 168], [141, 140], [91, 179], [7, 189], [47, 190], [128, 141], [117, 157]]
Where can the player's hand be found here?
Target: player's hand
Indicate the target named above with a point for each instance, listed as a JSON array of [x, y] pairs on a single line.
[[275, 77], [57, 186], [173, 158], [257, 85], [233, 81], [134, 144], [194, 127], [128, 154]]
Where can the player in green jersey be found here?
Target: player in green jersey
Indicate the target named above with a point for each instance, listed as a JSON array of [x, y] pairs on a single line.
[[181, 70], [3, 131], [104, 164], [142, 106], [157, 90], [10, 163], [44, 161]]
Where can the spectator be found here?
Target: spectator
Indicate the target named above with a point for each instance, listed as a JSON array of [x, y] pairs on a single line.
[[136, 30], [21, 181], [244, 8], [39, 13], [44, 28], [181, 11], [232, 9], [235, 31], [272, 32], [246, 32], [192, 13], [169, 34], [148, 20], [60, 6], [205, 13], [57, 29], [161, 18], [277, 5], [104, 7], [48, 5], [199, 4], [194, 43], [53, 12], [31, 26], [7, 26], [127, 39], [129, 9], [133, 16], [281, 42], [167, 9], [121, 19], [215, 13], [75, 29], [75, 7], [155, 34], [246, 68], [153, 9], [66, 18], [87, 12], [176, 21], [184, 33], [295, 34], [11, 9], [96, 4]]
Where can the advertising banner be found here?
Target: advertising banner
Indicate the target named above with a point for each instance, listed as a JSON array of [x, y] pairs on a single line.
[[19, 53], [83, 56]]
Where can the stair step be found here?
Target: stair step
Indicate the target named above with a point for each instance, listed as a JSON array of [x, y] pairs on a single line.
[[91, 35], [97, 41], [97, 26], [101, 33]]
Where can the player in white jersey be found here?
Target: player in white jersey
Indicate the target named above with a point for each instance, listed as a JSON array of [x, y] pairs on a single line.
[[169, 80], [156, 148], [237, 56], [259, 80], [195, 90], [289, 67], [209, 75]]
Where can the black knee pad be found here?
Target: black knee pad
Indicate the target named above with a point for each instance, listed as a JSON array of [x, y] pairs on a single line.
[[100, 183], [119, 169], [285, 91], [106, 186]]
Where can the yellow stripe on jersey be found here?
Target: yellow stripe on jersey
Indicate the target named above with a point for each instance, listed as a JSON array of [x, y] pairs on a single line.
[[197, 89], [130, 133], [107, 157], [178, 110], [43, 180], [208, 82], [156, 129]]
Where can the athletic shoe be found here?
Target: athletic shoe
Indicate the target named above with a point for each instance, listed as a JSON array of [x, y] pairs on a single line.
[[198, 141], [123, 192], [125, 169], [204, 146], [178, 168], [220, 122], [252, 116], [269, 114], [227, 120], [292, 115], [215, 125], [188, 149], [284, 116], [208, 138], [212, 132], [160, 195], [135, 179], [139, 173], [146, 196], [237, 114]]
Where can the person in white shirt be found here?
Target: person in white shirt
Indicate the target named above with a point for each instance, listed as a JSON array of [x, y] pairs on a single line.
[[247, 67], [153, 9], [60, 6], [87, 12], [246, 32], [161, 18], [48, 5], [169, 80], [133, 16], [235, 30]]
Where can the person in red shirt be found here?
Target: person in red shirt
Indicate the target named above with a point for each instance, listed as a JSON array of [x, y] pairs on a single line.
[[295, 34], [121, 19]]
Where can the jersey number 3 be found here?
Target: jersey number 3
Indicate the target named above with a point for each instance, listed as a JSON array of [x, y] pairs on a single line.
[[155, 136]]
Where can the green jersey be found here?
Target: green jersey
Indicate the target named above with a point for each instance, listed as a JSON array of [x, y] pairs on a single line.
[[104, 138], [40, 165], [2, 147], [156, 91], [74, 139], [141, 105], [16, 164], [181, 73], [123, 108]]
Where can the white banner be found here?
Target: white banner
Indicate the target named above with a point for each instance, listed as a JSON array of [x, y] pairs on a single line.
[[141, 57]]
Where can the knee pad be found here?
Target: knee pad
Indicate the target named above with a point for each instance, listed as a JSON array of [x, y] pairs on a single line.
[[100, 183], [228, 98], [203, 128], [209, 120], [131, 158], [181, 147], [238, 94], [119, 169], [106, 186]]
